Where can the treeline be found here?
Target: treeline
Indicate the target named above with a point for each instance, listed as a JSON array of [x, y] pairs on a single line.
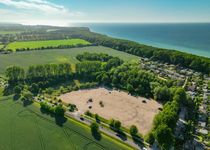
[[86, 56], [38, 73], [164, 122], [194, 62], [35, 33], [50, 47]]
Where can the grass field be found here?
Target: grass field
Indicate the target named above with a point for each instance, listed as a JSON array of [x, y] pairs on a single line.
[[10, 32], [38, 44], [27, 58], [1, 46], [26, 128]]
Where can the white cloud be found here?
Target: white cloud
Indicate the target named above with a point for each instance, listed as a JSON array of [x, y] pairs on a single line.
[[37, 12], [40, 5]]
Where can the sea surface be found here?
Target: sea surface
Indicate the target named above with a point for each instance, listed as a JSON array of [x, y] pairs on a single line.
[[193, 38]]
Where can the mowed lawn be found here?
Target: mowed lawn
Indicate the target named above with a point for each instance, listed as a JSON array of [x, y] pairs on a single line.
[[26, 128], [39, 44], [27, 58]]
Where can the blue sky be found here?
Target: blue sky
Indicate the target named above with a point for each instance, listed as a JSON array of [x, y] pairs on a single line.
[[66, 12]]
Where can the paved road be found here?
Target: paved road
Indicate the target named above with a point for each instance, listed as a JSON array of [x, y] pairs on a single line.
[[107, 131]]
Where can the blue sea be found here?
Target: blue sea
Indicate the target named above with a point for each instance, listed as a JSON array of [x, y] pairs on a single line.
[[193, 38]]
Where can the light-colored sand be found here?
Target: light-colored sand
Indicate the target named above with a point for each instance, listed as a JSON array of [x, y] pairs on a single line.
[[118, 105]]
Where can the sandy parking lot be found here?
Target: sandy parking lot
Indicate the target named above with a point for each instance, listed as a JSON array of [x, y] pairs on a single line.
[[118, 105]]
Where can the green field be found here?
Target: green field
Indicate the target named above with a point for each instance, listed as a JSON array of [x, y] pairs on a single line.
[[27, 58], [26, 128], [1, 46], [38, 44], [10, 32]]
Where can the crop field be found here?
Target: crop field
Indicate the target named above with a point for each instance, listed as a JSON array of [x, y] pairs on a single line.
[[38, 44], [26, 128], [27, 58]]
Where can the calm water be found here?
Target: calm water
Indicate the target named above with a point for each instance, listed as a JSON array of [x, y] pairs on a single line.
[[190, 38]]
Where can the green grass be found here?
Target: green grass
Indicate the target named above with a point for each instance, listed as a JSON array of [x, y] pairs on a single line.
[[1, 45], [10, 32], [27, 58], [27, 128], [38, 44]]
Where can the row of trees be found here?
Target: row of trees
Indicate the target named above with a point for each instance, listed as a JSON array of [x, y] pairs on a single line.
[[39, 72], [56, 110], [51, 47], [165, 122], [86, 56]]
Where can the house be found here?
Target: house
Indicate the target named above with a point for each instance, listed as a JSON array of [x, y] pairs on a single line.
[[202, 131], [202, 124]]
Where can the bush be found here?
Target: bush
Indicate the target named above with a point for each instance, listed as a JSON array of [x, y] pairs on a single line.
[[149, 138], [115, 125], [59, 110], [163, 135], [133, 130], [88, 113]]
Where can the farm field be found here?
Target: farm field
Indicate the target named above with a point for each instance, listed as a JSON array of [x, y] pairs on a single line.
[[38, 44], [118, 105], [27, 58], [26, 128]]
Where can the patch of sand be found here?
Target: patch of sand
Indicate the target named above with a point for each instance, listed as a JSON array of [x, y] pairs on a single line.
[[118, 105]]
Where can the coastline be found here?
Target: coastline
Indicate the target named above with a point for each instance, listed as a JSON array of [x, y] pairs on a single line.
[[190, 43]]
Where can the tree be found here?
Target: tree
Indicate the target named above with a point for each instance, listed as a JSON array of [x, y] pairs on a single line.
[[163, 134], [94, 128], [34, 88], [180, 96], [27, 95], [15, 74], [97, 118], [133, 130], [17, 90], [115, 125], [59, 110], [162, 94]]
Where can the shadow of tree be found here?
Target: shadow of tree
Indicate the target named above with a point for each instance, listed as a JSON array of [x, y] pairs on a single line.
[[137, 140], [60, 120], [16, 97], [122, 135], [27, 103], [97, 136], [7, 91]]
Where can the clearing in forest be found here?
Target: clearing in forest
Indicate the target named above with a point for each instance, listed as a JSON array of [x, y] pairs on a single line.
[[118, 105]]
